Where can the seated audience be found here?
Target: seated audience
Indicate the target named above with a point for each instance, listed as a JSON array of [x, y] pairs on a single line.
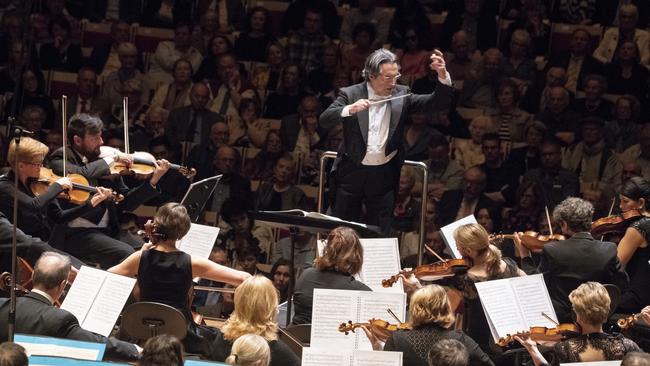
[[256, 35], [468, 152], [253, 129], [104, 59], [167, 53], [218, 46], [262, 165], [177, 93], [578, 63], [623, 130], [280, 276], [61, 54], [480, 87], [287, 96], [509, 118], [265, 77], [628, 29], [593, 104]]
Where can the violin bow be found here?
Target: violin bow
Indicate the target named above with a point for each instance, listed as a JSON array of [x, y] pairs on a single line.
[[550, 319], [433, 252], [64, 131], [611, 209], [394, 316], [125, 120], [548, 219]]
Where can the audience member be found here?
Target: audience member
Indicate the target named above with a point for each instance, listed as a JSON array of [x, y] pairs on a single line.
[[104, 59], [468, 152], [444, 173], [518, 64], [262, 165], [253, 128], [623, 130], [31, 91], [353, 57], [479, 89], [460, 61], [628, 29], [306, 44], [472, 17], [287, 96], [232, 184], [368, 13], [255, 36], [113, 84], [300, 133], [593, 104], [13, 354], [163, 61], [459, 203], [625, 74], [511, 120], [61, 54], [265, 78], [177, 93], [578, 63], [154, 126], [217, 46], [640, 152], [279, 193], [280, 275], [535, 98], [559, 118]]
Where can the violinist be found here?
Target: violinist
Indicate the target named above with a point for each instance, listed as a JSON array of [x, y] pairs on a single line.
[[432, 320], [590, 303], [487, 264], [91, 236], [568, 263], [165, 273], [633, 250], [36, 213]]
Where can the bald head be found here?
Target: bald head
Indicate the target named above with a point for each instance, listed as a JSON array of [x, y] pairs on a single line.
[[50, 271], [225, 159], [199, 96]]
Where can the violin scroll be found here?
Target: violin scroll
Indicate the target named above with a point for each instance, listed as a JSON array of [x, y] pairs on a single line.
[[625, 323]]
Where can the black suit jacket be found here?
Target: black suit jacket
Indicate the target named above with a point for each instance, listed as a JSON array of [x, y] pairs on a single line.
[[99, 56], [569, 263], [93, 171], [35, 315], [289, 130], [450, 204], [589, 65], [355, 127], [179, 121]]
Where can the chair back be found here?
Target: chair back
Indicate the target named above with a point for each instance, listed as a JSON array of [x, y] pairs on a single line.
[[143, 320]]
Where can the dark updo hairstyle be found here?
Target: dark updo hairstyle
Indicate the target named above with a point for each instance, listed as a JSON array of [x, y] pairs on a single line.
[[636, 188], [172, 221]]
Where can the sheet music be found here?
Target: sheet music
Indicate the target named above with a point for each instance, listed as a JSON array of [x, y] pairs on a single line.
[[515, 304], [58, 347], [333, 307], [199, 240], [314, 215], [447, 233], [333, 357], [97, 297], [380, 261], [83, 291], [108, 304]]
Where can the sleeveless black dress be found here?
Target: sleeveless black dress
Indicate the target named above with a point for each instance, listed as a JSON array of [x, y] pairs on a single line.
[[638, 268]]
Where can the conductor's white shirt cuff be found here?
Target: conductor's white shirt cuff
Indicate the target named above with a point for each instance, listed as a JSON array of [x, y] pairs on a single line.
[[346, 111], [446, 80]]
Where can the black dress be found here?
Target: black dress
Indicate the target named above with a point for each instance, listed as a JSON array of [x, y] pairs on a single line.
[[610, 346], [281, 354], [415, 345], [166, 277], [311, 278], [638, 268]]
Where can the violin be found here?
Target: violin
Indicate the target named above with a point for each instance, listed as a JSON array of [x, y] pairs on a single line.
[[626, 322], [614, 223], [543, 334], [431, 272], [381, 328], [532, 240], [143, 163], [79, 193]]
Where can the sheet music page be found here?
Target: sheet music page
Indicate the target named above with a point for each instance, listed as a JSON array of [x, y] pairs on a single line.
[[83, 291], [108, 304], [376, 358], [533, 299], [199, 240], [375, 305], [320, 246], [447, 233], [380, 261], [60, 347], [501, 307], [330, 309], [325, 357]]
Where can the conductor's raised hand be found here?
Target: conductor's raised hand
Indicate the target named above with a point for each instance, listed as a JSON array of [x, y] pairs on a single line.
[[359, 105], [438, 63]]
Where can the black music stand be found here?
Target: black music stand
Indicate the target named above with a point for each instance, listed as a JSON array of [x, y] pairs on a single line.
[[197, 196], [312, 222]]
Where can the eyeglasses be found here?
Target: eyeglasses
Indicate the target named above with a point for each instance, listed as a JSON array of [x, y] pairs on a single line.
[[34, 164], [391, 78]]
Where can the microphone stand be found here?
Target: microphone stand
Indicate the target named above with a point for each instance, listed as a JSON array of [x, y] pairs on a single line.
[[11, 322]]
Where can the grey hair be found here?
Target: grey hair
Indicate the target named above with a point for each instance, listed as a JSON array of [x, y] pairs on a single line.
[[448, 352], [576, 212], [373, 63], [51, 269]]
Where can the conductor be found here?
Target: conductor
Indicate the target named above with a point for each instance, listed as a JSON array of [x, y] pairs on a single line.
[[374, 114]]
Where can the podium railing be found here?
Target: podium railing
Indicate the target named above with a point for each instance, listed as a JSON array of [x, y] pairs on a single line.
[[423, 207]]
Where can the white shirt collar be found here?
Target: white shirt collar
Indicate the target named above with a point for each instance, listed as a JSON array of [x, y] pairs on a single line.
[[44, 294]]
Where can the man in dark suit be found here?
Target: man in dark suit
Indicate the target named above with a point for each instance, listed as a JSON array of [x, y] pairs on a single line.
[[369, 161], [294, 127], [581, 258], [87, 100], [91, 236], [35, 313], [192, 123], [458, 203], [578, 62]]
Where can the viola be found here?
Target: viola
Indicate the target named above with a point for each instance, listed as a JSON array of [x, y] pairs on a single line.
[[143, 163], [381, 328], [431, 272], [79, 193], [614, 223], [543, 334], [531, 239]]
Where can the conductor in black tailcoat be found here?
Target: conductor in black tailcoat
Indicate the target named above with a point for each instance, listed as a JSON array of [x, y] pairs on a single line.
[[368, 165]]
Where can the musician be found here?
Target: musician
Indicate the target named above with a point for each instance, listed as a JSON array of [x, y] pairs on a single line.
[[342, 258], [568, 263], [165, 274], [368, 165], [35, 313], [448, 352], [487, 264], [432, 319], [36, 213], [633, 250], [91, 236], [256, 303], [163, 349], [590, 303]]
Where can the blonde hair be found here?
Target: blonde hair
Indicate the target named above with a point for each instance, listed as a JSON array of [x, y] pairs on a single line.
[[485, 122], [475, 237], [249, 350], [30, 151], [430, 305], [256, 303], [591, 301], [343, 252]]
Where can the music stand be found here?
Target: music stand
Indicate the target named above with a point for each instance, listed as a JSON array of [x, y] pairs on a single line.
[[316, 223], [197, 196]]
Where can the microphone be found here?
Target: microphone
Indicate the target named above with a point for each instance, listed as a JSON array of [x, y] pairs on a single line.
[[22, 131]]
